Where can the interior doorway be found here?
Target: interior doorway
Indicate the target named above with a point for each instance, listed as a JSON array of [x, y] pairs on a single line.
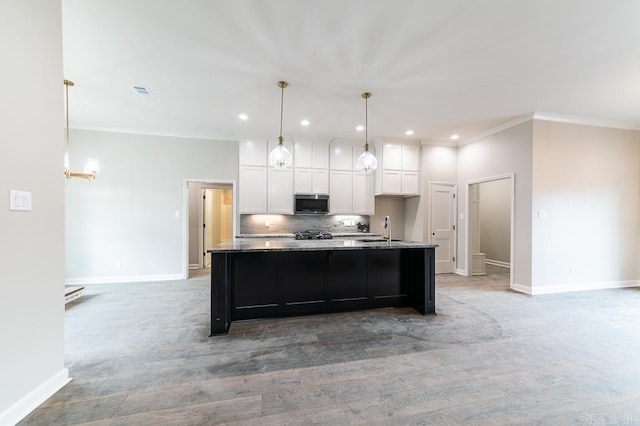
[[490, 224], [442, 225], [209, 220]]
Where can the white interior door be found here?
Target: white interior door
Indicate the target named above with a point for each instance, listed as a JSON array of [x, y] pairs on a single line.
[[443, 229]]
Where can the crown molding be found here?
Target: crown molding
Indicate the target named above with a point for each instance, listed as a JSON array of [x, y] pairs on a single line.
[[586, 121], [500, 127]]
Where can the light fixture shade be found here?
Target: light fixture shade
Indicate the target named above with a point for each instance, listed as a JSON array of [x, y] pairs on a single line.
[[280, 157], [91, 165], [366, 162]]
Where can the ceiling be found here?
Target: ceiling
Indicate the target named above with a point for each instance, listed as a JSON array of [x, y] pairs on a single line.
[[435, 67]]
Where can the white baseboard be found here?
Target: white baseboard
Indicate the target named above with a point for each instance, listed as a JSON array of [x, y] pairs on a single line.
[[602, 285], [497, 263], [461, 272], [33, 399], [194, 266], [122, 279], [521, 288]]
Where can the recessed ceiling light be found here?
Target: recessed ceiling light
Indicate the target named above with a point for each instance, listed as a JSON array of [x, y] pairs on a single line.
[[455, 137], [409, 132], [243, 117], [360, 128], [305, 122]]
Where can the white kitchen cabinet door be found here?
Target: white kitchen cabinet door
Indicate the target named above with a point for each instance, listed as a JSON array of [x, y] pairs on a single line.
[[280, 193], [363, 197], [320, 181], [303, 181], [341, 157], [410, 183], [341, 192], [253, 152], [320, 155], [303, 154], [410, 158], [252, 189], [391, 182], [391, 157]]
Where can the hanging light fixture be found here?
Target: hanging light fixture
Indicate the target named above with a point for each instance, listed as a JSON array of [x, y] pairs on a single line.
[[91, 165], [366, 162], [280, 157]]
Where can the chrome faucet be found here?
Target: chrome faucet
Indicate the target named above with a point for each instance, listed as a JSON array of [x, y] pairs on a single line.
[[387, 226]]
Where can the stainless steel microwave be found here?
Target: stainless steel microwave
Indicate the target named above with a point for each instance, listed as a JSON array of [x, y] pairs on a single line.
[[311, 204]]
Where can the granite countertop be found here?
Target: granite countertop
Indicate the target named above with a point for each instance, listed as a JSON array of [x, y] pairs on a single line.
[[335, 235], [283, 244]]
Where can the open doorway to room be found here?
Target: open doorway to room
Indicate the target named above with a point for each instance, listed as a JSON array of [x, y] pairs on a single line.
[[209, 221], [490, 222]]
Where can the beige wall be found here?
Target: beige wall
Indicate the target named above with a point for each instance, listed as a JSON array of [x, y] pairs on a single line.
[[587, 181], [504, 152], [393, 207], [132, 212], [32, 243], [494, 219]]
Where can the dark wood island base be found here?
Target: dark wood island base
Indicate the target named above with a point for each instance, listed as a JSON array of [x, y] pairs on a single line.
[[259, 281]]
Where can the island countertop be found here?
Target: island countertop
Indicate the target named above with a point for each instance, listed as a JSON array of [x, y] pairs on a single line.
[[283, 244]]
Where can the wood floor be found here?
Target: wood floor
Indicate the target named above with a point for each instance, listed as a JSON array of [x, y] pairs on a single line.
[[140, 355]]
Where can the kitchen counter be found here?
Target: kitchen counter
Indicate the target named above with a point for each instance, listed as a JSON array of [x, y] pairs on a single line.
[[275, 277], [290, 244]]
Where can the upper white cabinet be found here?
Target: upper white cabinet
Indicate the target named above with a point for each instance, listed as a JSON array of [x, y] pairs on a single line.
[[341, 157], [341, 195], [400, 171], [311, 172], [363, 196], [253, 152], [263, 189]]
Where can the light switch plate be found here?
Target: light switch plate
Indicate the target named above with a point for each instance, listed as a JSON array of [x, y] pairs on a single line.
[[20, 201]]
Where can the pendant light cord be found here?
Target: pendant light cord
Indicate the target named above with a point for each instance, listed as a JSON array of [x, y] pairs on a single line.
[[66, 90], [366, 123], [282, 85]]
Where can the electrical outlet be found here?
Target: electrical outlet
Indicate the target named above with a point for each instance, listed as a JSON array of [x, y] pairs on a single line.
[[119, 264], [572, 269], [267, 223]]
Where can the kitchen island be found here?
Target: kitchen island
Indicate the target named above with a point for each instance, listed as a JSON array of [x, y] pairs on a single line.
[[261, 278]]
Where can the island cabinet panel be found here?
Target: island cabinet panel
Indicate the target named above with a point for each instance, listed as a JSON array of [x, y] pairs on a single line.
[[385, 277], [304, 286], [347, 281], [256, 280]]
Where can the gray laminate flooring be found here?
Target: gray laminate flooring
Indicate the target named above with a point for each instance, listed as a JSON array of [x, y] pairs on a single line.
[[140, 355]]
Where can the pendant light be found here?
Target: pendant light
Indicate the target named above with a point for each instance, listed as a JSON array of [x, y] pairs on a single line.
[[91, 165], [280, 157], [366, 162]]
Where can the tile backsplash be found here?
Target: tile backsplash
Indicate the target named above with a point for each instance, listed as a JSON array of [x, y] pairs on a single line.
[[285, 224]]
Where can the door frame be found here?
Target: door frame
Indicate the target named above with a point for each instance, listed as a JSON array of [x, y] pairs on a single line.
[[512, 176], [454, 185], [185, 214]]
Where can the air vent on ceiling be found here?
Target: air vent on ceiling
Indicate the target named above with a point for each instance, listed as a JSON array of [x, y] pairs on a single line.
[[143, 91]]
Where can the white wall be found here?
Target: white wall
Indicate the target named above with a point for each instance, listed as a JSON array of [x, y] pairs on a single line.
[[32, 243], [494, 219], [128, 214], [438, 164], [393, 207], [587, 180], [504, 152]]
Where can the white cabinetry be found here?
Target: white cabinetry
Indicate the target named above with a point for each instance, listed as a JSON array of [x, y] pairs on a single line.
[[263, 189], [400, 171], [311, 173], [351, 192], [341, 196]]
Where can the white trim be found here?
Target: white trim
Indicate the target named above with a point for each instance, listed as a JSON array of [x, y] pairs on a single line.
[[467, 259], [500, 127], [185, 215], [438, 143], [585, 121], [122, 279], [33, 399], [499, 263], [521, 288], [194, 266], [461, 272], [600, 285]]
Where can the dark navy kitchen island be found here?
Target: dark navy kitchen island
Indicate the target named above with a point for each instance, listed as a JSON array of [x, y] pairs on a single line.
[[261, 278]]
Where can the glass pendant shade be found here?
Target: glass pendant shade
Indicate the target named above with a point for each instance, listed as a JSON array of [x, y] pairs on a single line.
[[280, 157], [366, 162], [91, 165]]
